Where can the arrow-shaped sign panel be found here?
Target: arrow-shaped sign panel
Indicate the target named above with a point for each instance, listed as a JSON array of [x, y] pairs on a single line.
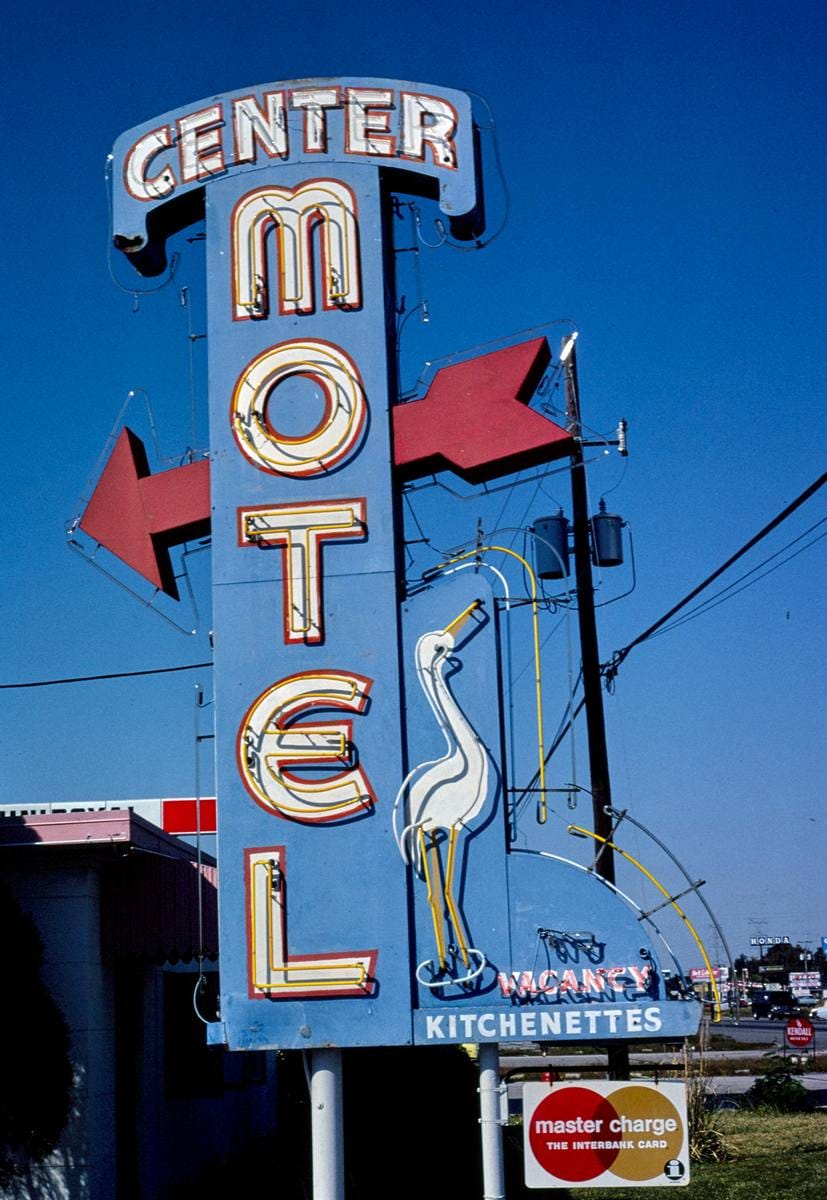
[[474, 418], [138, 516]]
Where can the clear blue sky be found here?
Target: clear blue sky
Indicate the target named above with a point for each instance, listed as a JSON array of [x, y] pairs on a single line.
[[666, 179]]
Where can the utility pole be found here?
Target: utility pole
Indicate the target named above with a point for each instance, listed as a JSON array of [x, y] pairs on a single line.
[[759, 926], [601, 788]]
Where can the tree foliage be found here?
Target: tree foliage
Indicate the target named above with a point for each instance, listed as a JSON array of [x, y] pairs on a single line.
[[786, 956]]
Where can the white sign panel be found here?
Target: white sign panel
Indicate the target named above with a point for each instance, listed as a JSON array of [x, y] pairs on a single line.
[[601, 1134]]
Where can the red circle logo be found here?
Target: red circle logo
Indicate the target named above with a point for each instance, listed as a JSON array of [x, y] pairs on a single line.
[[563, 1132]]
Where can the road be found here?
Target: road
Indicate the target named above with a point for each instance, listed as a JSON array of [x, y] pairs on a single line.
[[759, 1039], [735, 1085], [764, 1031], [747, 1031], [569, 1066], [722, 1086]]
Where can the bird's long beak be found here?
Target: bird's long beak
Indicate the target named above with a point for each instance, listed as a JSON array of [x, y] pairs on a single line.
[[459, 621]]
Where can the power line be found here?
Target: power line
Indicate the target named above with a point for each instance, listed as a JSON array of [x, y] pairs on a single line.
[[620, 655], [610, 669], [732, 589], [95, 678]]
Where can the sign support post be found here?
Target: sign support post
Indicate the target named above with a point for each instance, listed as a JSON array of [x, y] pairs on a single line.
[[493, 1173], [327, 1125]]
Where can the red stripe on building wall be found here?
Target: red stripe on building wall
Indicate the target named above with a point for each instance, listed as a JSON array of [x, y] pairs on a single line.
[[180, 815]]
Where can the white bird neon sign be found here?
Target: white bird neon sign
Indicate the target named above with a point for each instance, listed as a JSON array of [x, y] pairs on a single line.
[[440, 798]]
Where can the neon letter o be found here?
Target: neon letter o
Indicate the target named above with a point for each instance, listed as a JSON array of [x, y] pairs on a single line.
[[339, 433]]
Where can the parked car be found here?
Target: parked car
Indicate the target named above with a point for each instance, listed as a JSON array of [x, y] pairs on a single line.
[[820, 1013], [783, 1011], [765, 1002]]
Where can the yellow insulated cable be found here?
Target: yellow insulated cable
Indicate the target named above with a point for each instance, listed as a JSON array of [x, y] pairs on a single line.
[[605, 841], [538, 685]]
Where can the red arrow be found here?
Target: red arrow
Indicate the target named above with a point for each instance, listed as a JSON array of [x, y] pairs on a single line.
[[474, 418], [138, 516]]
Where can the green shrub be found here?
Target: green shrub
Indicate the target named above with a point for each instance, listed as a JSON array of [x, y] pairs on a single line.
[[777, 1089]]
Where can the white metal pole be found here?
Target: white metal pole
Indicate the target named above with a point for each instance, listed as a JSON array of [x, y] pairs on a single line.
[[493, 1171], [327, 1125]]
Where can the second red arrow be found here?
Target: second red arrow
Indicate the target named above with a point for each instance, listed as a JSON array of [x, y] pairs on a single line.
[[138, 516]]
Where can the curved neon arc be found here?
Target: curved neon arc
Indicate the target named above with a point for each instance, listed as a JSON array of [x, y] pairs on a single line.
[[578, 829]]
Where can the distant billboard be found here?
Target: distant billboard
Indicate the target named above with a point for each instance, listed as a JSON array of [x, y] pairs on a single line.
[[701, 974], [804, 981]]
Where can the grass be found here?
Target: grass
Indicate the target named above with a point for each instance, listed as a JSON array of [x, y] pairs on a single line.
[[773, 1155]]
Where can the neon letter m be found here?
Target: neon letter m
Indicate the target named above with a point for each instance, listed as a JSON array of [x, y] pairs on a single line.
[[294, 214]]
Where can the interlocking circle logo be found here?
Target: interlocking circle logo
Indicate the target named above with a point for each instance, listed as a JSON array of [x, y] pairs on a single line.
[[637, 1133]]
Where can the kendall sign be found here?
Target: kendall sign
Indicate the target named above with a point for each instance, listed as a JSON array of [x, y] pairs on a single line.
[[368, 894]]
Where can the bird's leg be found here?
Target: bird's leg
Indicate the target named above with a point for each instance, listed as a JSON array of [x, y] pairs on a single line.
[[449, 895], [433, 903]]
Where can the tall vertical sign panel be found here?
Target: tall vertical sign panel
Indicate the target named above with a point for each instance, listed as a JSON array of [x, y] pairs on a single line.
[[308, 732], [314, 904]]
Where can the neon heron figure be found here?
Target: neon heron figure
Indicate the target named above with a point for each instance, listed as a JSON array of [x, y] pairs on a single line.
[[440, 798]]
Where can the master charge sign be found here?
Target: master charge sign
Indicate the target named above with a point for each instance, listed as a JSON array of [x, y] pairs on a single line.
[[605, 1134]]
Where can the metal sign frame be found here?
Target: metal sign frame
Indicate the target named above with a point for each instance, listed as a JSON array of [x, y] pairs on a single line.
[[368, 891]]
